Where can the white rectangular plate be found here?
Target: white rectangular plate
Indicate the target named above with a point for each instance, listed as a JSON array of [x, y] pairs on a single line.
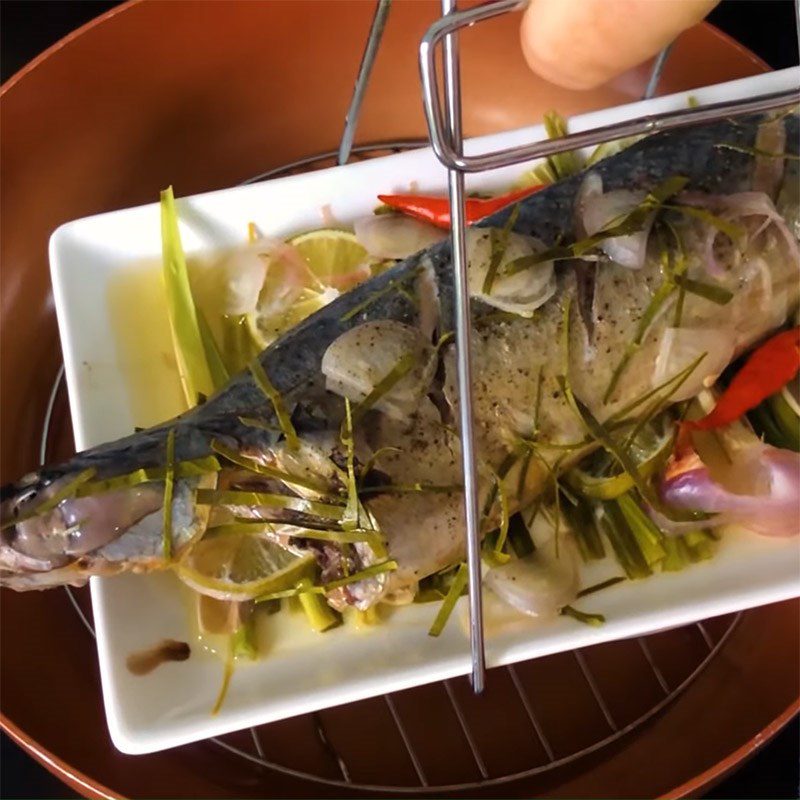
[[114, 386]]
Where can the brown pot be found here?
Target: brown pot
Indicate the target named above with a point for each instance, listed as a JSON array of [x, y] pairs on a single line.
[[203, 95]]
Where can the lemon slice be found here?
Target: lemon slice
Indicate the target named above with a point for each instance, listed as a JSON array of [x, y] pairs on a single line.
[[242, 566], [336, 262], [332, 255]]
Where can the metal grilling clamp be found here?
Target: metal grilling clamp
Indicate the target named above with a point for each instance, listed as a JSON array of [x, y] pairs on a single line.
[[444, 126]]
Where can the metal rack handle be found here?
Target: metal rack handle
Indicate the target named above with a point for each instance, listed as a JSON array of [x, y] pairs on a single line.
[[452, 159]]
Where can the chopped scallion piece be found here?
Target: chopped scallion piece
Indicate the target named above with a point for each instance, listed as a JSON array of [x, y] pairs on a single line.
[[319, 614]]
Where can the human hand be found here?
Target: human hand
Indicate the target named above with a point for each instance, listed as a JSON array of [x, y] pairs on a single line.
[[579, 44]]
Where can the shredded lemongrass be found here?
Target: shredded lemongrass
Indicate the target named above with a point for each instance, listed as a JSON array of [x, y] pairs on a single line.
[[598, 587], [273, 395], [595, 620], [678, 266], [190, 354], [733, 231], [449, 602], [340, 537], [169, 486], [648, 536], [709, 291], [600, 433], [582, 523], [403, 366], [252, 233], [368, 572], [756, 151], [396, 284], [270, 472], [230, 497], [504, 515], [254, 422], [307, 588], [238, 346], [216, 366], [412, 488], [678, 379], [183, 469], [654, 306], [560, 165], [227, 674], [626, 224], [499, 245], [372, 460], [523, 475], [623, 542], [351, 516]]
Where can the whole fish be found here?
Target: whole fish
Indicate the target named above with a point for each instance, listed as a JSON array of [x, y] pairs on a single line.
[[553, 314]]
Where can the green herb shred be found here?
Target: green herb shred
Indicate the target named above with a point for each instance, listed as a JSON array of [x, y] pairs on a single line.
[[272, 394], [449, 603]]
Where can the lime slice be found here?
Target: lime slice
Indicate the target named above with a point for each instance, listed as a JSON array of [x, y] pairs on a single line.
[[332, 255], [265, 328], [336, 262], [649, 452], [242, 566]]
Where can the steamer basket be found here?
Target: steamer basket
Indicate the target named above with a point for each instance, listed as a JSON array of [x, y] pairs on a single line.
[[208, 94]]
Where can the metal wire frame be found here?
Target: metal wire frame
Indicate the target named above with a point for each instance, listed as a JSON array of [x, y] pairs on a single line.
[[448, 154], [615, 731], [446, 140]]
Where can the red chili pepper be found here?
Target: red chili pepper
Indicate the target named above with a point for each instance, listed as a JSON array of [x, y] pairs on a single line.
[[769, 368], [436, 210]]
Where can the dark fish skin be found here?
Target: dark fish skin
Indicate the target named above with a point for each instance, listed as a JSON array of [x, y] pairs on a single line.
[[293, 362]]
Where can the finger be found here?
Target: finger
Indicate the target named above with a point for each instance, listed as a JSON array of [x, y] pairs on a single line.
[[580, 44]]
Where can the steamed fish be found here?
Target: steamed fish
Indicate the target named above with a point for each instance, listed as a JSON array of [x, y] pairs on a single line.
[[649, 272]]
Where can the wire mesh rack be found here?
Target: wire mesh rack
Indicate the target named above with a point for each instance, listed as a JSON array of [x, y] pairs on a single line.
[[557, 709]]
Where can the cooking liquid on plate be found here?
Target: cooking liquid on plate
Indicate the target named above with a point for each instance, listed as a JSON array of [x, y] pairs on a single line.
[[138, 308]]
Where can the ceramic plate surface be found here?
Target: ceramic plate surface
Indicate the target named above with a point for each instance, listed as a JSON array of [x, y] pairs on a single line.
[[117, 356]]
